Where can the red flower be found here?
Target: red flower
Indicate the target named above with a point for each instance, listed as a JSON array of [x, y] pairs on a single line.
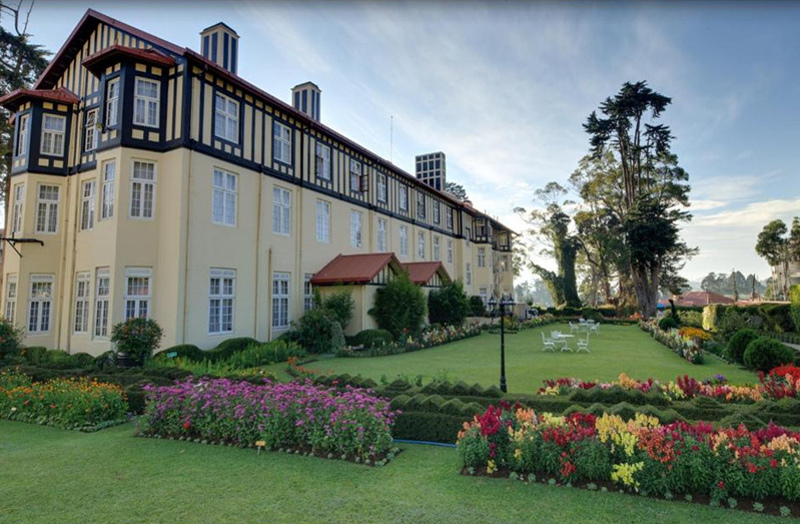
[[773, 463], [186, 424], [752, 468], [721, 485]]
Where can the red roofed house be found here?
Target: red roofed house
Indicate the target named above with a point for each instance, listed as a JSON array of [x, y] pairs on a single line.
[[701, 298]]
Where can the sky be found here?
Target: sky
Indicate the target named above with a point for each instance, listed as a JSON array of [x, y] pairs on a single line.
[[503, 88]]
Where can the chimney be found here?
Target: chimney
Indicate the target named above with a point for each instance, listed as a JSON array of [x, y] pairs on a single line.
[[432, 170], [306, 99], [220, 44]]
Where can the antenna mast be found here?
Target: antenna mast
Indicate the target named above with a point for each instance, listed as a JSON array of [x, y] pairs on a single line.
[[391, 138]]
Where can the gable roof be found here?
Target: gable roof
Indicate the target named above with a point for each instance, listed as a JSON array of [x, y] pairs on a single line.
[[91, 19], [421, 273], [115, 51], [702, 298], [355, 269], [17, 97]]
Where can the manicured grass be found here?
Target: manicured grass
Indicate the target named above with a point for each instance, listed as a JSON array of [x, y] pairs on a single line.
[[51, 475], [615, 350]]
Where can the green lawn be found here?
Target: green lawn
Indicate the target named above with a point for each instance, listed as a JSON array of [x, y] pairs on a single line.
[[49, 475], [616, 349]]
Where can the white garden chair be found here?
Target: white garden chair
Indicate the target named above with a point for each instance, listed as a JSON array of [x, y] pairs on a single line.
[[583, 344], [594, 328], [574, 327], [548, 344]]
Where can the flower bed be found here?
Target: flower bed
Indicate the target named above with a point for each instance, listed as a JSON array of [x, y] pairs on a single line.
[[351, 424], [687, 342], [725, 465], [430, 337], [70, 403], [781, 382]]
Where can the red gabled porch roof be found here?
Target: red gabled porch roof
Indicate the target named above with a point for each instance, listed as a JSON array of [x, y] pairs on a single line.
[[59, 96], [354, 269], [422, 272]]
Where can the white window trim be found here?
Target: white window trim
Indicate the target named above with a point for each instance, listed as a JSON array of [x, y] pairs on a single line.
[[88, 202], [402, 198], [281, 144], [222, 275], [138, 272], [323, 151], [112, 103], [90, 128], [57, 202], [225, 192], [436, 254], [356, 225], [147, 101], [36, 279], [383, 245], [355, 171], [63, 134], [282, 277], [323, 222], [9, 313], [437, 212], [144, 182], [383, 188], [403, 241], [308, 292], [107, 191], [97, 327], [282, 208], [82, 302], [226, 116], [449, 251], [421, 214], [23, 135], [18, 215], [421, 245]]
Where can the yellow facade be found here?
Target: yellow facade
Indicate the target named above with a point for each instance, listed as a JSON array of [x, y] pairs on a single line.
[[170, 262]]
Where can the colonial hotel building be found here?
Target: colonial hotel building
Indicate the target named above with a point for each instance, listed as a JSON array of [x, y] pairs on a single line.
[[149, 179]]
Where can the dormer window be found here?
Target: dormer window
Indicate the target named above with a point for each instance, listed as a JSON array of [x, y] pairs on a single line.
[[226, 118], [112, 102], [53, 128], [146, 102], [22, 135]]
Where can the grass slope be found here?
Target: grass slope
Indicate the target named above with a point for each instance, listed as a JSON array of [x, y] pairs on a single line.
[[615, 350], [50, 475]]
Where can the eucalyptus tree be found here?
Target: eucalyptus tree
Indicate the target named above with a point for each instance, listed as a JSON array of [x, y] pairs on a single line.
[[779, 247]]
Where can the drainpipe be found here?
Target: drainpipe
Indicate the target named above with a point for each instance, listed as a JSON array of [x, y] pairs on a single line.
[[258, 250], [186, 247]]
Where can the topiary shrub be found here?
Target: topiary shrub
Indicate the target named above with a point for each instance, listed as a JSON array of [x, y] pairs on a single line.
[[448, 305], [339, 307], [763, 354], [667, 323], [82, 360], [34, 354], [10, 340], [188, 351], [137, 338], [399, 306], [372, 338], [738, 344], [315, 331], [228, 347]]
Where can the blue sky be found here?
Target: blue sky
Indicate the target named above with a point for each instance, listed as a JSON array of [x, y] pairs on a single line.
[[503, 89]]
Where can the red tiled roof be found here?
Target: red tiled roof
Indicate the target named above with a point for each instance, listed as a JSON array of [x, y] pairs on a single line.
[[422, 272], [149, 55], [354, 269], [60, 96], [702, 298]]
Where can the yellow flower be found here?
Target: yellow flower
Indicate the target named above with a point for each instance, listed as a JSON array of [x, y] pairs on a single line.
[[517, 453], [624, 473], [490, 467]]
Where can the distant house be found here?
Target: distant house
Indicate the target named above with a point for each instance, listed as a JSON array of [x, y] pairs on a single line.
[[701, 298]]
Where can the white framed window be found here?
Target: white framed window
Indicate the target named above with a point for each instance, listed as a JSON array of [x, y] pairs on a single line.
[[449, 251], [281, 211], [281, 143], [223, 197], [221, 296], [484, 294], [82, 286], [47, 209], [11, 298], [437, 212], [280, 300], [355, 228], [90, 131], [468, 278], [467, 235], [53, 130], [102, 294], [87, 205], [382, 186], [40, 303], [355, 176], [226, 118], [143, 189], [421, 244], [112, 102], [481, 257], [420, 205], [382, 244], [146, 102], [19, 201], [322, 161], [308, 292], [107, 196], [402, 198], [449, 214], [403, 241], [436, 251], [23, 133], [137, 293], [323, 221]]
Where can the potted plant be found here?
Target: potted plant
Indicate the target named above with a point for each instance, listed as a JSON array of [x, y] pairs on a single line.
[[135, 340]]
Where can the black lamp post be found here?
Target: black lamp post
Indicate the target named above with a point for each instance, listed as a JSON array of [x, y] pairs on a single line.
[[504, 301]]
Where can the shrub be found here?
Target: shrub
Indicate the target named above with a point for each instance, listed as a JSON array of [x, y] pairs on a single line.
[[10, 340], [738, 344], [227, 348], [35, 354], [667, 323], [339, 307], [137, 338], [372, 338], [794, 309], [400, 306], [189, 351], [763, 354], [448, 305], [82, 360], [732, 321], [477, 307], [316, 333]]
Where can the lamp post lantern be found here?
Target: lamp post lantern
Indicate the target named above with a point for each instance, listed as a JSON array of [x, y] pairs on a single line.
[[504, 301]]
